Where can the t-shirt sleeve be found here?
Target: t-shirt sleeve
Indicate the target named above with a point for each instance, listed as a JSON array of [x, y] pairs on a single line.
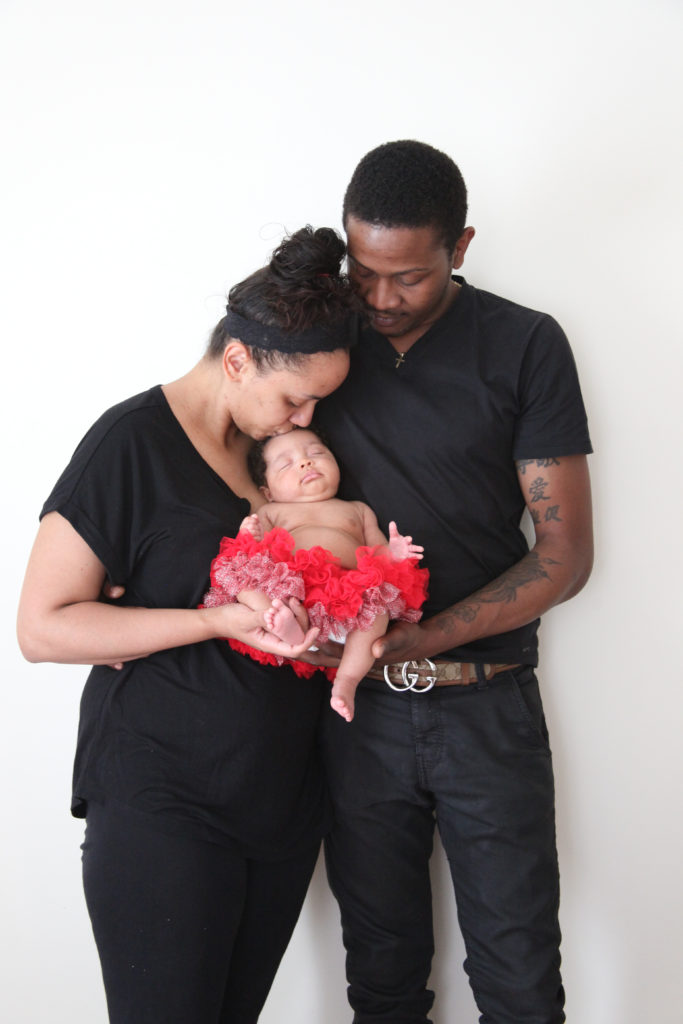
[[95, 494], [552, 419]]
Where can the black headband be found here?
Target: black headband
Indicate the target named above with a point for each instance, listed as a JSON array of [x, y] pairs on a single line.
[[342, 334]]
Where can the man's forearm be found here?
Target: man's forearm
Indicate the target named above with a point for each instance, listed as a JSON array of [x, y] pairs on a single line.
[[526, 590], [554, 570]]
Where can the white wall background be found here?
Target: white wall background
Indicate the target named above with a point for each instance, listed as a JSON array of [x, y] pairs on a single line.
[[153, 151]]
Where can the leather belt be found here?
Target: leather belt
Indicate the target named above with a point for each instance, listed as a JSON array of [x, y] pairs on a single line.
[[420, 676]]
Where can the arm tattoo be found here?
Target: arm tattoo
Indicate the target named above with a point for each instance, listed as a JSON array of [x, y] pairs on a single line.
[[447, 619], [536, 489], [541, 463], [500, 591], [466, 612], [504, 589], [553, 513]]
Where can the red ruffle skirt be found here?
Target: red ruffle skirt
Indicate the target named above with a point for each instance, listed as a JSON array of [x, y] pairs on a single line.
[[337, 600]]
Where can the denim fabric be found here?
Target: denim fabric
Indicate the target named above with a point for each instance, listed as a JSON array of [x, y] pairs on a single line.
[[476, 761]]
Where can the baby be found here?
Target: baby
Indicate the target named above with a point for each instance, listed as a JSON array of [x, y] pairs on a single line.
[[306, 545]]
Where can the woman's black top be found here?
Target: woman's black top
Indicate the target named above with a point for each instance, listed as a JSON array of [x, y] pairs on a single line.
[[198, 740]]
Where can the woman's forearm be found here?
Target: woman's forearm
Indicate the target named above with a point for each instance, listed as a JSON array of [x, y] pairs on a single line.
[[94, 633], [61, 618]]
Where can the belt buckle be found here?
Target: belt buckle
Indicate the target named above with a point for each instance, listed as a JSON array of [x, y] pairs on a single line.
[[410, 679]]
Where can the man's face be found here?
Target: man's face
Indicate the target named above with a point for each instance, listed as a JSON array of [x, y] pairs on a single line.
[[403, 275]]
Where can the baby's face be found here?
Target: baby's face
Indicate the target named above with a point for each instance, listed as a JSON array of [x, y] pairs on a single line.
[[299, 467]]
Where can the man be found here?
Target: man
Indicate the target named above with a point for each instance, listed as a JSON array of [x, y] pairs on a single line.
[[460, 410]]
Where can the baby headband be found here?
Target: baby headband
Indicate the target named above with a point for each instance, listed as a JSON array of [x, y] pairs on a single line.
[[342, 334]]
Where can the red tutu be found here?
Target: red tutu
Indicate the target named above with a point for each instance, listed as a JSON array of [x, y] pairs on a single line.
[[337, 600]]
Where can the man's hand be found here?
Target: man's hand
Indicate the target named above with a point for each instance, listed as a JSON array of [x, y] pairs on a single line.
[[328, 655], [405, 641]]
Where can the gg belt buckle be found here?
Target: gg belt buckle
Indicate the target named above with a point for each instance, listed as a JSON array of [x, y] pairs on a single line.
[[410, 679]]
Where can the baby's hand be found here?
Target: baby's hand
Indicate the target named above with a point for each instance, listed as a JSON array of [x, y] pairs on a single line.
[[402, 547], [252, 524]]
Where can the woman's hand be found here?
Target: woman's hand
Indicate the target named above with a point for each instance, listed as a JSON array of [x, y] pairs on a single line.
[[237, 622], [298, 611]]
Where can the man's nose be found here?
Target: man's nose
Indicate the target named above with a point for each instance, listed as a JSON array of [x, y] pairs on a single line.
[[382, 294]]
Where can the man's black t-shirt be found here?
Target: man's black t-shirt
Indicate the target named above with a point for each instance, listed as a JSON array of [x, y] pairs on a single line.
[[198, 740], [432, 443]]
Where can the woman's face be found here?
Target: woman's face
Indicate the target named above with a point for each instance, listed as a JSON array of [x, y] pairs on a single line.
[[273, 401]]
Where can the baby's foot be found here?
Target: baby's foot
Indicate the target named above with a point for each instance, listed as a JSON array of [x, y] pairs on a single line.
[[342, 699], [280, 621]]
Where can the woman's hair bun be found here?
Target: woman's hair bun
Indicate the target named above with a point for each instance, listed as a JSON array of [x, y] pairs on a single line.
[[307, 254], [301, 287]]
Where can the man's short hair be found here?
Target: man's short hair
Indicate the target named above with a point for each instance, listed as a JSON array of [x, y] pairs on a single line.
[[409, 184]]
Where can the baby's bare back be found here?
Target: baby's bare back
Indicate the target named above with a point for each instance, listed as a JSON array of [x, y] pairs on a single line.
[[333, 524]]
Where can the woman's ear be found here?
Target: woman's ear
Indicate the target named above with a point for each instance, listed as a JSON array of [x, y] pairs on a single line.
[[236, 359]]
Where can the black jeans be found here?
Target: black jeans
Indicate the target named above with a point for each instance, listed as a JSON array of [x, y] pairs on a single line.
[[476, 761], [187, 931]]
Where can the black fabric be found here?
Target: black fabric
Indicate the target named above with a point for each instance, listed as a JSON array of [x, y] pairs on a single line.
[[188, 932], [328, 338], [477, 760], [199, 739], [432, 443]]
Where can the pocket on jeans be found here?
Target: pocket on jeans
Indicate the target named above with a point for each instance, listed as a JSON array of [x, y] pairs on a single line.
[[529, 708]]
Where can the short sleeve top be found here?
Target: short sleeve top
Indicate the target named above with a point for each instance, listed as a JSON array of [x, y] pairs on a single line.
[[432, 443], [198, 740]]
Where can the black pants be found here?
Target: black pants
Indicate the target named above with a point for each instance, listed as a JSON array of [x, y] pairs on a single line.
[[187, 931], [475, 761]]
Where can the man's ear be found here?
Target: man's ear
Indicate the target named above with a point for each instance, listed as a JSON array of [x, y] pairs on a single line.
[[461, 247], [236, 359]]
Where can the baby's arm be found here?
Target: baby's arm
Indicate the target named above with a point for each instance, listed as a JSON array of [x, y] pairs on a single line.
[[398, 547], [257, 523]]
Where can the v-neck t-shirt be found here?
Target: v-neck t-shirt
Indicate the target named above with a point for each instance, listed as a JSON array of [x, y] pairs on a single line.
[[432, 443], [198, 740]]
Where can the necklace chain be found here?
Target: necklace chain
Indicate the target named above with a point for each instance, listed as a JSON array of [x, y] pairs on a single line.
[[401, 356]]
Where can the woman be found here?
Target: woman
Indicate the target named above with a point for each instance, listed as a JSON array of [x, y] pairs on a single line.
[[196, 768]]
